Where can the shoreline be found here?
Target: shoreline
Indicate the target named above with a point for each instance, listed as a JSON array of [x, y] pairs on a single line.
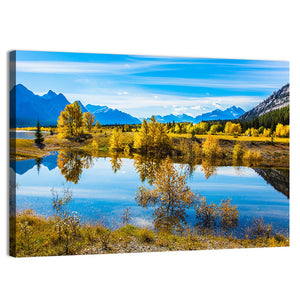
[[274, 154]]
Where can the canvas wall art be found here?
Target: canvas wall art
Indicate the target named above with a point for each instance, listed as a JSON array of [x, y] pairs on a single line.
[[129, 153]]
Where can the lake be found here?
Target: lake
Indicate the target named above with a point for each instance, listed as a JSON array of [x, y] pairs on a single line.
[[24, 134], [103, 187]]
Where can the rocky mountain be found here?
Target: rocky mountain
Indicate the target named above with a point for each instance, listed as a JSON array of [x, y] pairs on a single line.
[[109, 116], [278, 99], [27, 107], [278, 178], [230, 113], [176, 118]]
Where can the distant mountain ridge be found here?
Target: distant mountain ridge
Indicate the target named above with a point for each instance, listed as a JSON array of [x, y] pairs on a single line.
[[107, 116], [30, 107], [27, 108], [230, 113], [278, 99]]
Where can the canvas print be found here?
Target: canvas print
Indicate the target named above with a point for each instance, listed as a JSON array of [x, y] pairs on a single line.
[[134, 153]]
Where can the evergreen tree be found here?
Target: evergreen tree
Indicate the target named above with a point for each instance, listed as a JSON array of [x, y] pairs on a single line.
[[38, 134]]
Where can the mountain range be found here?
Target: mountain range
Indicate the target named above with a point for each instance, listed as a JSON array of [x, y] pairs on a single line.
[[27, 108], [230, 113], [278, 99], [106, 115]]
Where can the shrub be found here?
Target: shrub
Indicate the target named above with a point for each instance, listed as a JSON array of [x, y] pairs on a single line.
[[229, 215], [66, 223], [252, 158], [145, 236], [210, 216], [104, 235], [238, 151], [211, 147], [260, 229], [206, 214], [126, 216]]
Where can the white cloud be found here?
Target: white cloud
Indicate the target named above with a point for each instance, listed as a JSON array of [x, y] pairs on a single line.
[[236, 171], [122, 93], [66, 67], [199, 82], [180, 109], [148, 105], [215, 104], [196, 107]]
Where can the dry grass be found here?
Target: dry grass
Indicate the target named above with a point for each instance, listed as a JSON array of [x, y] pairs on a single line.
[[39, 236], [241, 138]]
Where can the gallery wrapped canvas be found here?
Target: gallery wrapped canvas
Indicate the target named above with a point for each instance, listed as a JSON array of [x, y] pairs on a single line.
[[127, 153]]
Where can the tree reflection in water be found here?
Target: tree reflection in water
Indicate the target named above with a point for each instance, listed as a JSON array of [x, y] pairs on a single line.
[[171, 197], [38, 162], [116, 162], [72, 162], [146, 167], [209, 167]]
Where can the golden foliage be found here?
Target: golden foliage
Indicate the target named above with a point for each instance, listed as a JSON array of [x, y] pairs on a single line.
[[70, 121], [233, 128], [211, 216], [152, 138], [88, 120], [71, 164], [282, 131], [116, 162], [238, 152], [170, 195], [95, 147], [252, 158], [116, 140], [211, 147]]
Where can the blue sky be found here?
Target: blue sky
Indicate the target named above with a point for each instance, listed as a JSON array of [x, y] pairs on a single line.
[[147, 85]]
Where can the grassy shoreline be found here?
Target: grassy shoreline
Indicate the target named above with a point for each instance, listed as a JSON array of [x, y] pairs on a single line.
[[274, 154], [40, 236]]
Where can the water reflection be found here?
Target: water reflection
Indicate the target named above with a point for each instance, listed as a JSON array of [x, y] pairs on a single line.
[[209, 167], [146, 167], [38, 162], [115, 191], [116, 162], [71, 164], [278, 178], [170, 196]]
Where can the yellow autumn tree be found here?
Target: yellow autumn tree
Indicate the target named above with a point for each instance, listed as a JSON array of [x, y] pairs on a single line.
[[141, 138], [232, 128], [282, 131], [116, 140], [152, 138], [171, 196], [69, 122], [88, 120], [201, 128], [211, 147]]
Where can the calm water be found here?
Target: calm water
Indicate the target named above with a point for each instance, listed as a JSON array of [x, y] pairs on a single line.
[[24, 134], [103, 187]]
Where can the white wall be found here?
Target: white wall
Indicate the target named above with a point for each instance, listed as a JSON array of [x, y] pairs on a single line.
[[225, 29]]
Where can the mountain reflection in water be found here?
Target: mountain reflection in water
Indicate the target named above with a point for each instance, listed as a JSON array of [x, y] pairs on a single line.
[[105, 186]]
